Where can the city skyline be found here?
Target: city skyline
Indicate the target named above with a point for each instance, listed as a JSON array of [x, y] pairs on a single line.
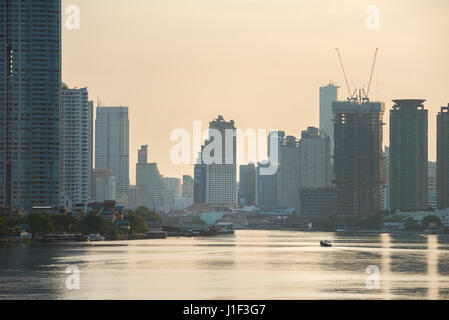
[[190, 73]]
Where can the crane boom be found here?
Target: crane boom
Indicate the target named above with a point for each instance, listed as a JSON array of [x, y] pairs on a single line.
[[344, 73], [372, 71]]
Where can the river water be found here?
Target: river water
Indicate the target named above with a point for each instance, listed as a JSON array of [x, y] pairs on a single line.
[[247, 265]]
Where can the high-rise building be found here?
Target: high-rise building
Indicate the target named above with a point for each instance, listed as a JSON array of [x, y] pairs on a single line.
[[358, 134], [133, 197], [187, 186], [221, 174], [112, 146], [173, 185], [247, 185], [289, 171], [267, 187], [103, 185], [142, 154], [199, 183], [75, 161], [315, 165], [30, 84], [443, 158], [328, 95], [408, 155], [149, 181], [91, 145], [432, 185]]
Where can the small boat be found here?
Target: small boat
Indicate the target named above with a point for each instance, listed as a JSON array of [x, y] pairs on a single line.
[[325, 243], [95, 237]]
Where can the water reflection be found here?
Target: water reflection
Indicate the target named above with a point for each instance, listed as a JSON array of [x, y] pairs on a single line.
[[249, 265]]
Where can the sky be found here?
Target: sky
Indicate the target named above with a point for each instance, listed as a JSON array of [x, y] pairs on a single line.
[[257, 62]]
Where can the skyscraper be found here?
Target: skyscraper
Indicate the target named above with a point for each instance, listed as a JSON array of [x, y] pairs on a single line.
[[148, 179], [443, 158], [142, 154], [187, 186], [112, 146], [221, 174], [408, 155], [247, 184], [289, 171], [30, 83], [75, 144], [328, 94], [267, 187], [358, 156], [314, 159]]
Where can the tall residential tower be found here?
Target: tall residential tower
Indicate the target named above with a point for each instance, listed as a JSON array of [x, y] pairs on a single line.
[[30, 84]]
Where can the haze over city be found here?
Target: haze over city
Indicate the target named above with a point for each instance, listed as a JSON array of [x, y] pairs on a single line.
[[260, 63]]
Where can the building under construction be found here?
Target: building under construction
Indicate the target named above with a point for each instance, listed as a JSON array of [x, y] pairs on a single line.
[[358, 156]]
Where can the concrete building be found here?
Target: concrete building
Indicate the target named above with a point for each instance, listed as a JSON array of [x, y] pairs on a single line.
[[408, 155], [315, 164], [103, 185], [187, 186], [221, 174], [328, 95], [30, 85], [247, 185], [443, 158], [112, 146], [75, 153], [358, 156]]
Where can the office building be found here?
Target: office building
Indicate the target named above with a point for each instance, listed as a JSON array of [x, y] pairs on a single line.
[[30, 85], [317, 202], [267, 187], [112, 146], [408, 156]]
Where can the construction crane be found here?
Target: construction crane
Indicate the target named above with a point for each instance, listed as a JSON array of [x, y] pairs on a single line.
[[371, 76], [351, 96], [354, 95]]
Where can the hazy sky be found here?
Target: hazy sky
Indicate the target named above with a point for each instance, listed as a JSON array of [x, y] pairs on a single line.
[[258, 62]]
